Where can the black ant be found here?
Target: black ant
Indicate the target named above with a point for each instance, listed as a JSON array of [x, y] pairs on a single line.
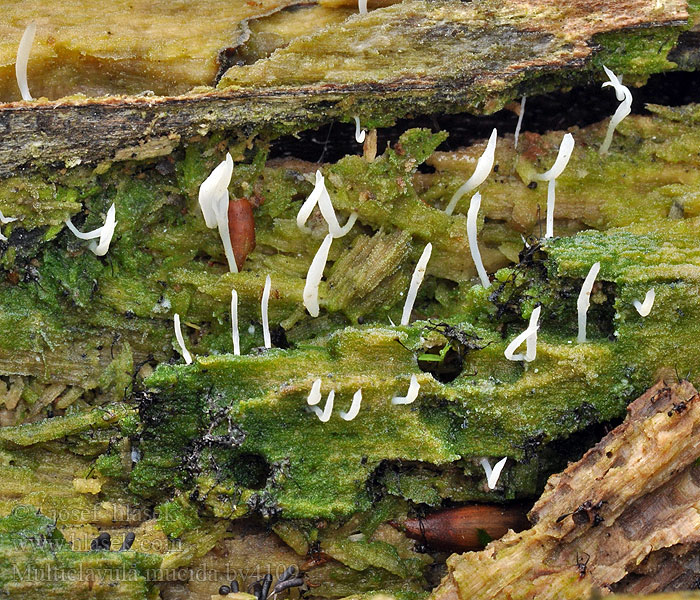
[[582, 565], [586, 513]]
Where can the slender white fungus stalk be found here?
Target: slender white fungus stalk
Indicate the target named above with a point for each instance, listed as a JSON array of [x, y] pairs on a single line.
[[320, 196], [181, 341], [25, 46], [492, 475], [214, 199], [362, 5], [314, 275], [472, 215], [584, 301], [565, 149], [234, 323], [520, 121], [354, 407], [529, 336], [5, 220], [104, 233], [263, 311], [481, 172], [359, 133], [315, 393], [644, 308], [325, 414], [411, 395], [624, 96], [416, 280]]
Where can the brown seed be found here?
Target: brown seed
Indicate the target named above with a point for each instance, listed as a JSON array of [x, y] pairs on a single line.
[[241, 229]]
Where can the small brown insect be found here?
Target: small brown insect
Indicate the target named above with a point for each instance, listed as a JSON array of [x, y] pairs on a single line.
[[582, 564], [241, 229]]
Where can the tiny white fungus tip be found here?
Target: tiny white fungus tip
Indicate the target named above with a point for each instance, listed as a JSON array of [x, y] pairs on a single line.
[[23, 50], [315, 394], [234, 323], [354, 407], [180, 340], [325, 414], [411, 395], [624, 96], [492, 475], [314, 275], [529, 336], [481, 172], [359, 133], [644, 308], [263, 312], [416, 280], [520, 121], [104, 233], [472, 215], [214, 200], [584, 301], [362, 6], [565, 149]]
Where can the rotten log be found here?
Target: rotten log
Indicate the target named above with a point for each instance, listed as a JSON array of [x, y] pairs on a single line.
[[637, 491], [416, 57]]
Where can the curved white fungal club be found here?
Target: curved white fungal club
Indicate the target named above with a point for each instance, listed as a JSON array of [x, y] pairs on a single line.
[[5, 220], [416, 280], [180, 340], [213, 200], [362, 6], [565, 149], [584, 301], [263, 312], [624, 96], [520, 120], [325, 414], [25, 46], [354, 407], [411, 395], [492, 475], [320, 196], [234, 323], [644, 308], [314, 275], [359, 133], [481, 172], [529, 336], [472, 215], [315, 394], [104, 233]]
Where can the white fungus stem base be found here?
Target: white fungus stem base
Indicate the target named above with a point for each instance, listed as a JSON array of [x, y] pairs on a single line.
[[520, 121], [180, 340], [411, 395], [584, 301], [325, 414], [360, 134], [23, 50], [416, 280], [267, 340], [529, 336], [314, 275], [354, 407], [234, 323], [472, 215]]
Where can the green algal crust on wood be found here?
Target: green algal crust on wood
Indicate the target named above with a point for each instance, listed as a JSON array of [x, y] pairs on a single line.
[[416, 57]]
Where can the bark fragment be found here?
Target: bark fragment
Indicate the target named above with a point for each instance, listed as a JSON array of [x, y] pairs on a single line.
[[637, 491]]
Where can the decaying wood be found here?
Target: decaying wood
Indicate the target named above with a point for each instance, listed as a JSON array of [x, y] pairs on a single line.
[[415, 57], [635, 492]]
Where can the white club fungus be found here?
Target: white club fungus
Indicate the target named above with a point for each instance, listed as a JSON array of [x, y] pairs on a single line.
[[411, 395], [520, 121], [492, 475], [104, 233], [263, 312], [624, 96], [180, 340], [565, 149], [315, 393], [25, 46], [359, 133], [481, 172], [354, 407], [5, 220], [362, 6], [584, 301], [416, 280], [529, 336], [314, 275], [214, 199], [325, 414], [234, 323], [320, 196], [472, 214], [644, 308]]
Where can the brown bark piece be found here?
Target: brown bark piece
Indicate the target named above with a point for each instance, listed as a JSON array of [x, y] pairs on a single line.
[[637, 491]]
